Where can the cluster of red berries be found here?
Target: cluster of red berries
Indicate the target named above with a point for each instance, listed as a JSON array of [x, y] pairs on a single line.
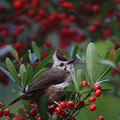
[[62, 108], [92, 99], [33, 112], [4, 112], [97, 89], [55, 21]]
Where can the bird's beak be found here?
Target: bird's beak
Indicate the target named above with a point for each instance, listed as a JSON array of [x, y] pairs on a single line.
[[71, 61]]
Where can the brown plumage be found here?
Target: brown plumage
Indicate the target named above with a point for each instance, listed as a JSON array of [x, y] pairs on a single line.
[[51, 81], [45, 84]]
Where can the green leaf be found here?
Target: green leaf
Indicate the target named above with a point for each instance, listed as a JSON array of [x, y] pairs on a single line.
[[13, 71], [118, 56], [75, 50], [22, 70], [65, 53], [39, 72], [11, 115], [81, 87], [105, 45], [15, 93], [25, 57], [7, 73], [74, 81], [21, 112], [105, 71], [3, 107], [15, 54], [69, 91], [42, 65], [24, 78], [48, 50], [104, 9], [29, 75], [107, 62], [91, 60], [115, 27], [80, 76], [36, 49], [30, 55], [106, 90], [42, 107]]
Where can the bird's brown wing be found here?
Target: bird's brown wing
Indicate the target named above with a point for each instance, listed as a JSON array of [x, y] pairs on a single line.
[[48, 78]]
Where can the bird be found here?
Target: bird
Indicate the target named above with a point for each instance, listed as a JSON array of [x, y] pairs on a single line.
[[57, 78]]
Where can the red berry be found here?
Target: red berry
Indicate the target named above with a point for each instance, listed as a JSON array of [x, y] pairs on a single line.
[[73, 118], [1, 112], [62, 16], [92, 107], [14, 119], [36, 107], [38, 118], [96, 8], [26, 115], [96, 23], [26, 111], [41, 12], [116, 46], [70, 104], [97, 93], [92, 28], [62, 112], [31, 13], [63, 104], [66, 23], [47, 43], [19, 76], [30, 101], [96, 87], [91, 99], [0, 103], [4, 33], [17, 3], [83, 83], [58, 110], [1, 7], [113, 72], [6, 112], [71, 18], [100, 118], [51, 108], [33, 112]]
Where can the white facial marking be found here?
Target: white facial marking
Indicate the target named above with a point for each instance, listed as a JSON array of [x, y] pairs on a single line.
[[62, 65]]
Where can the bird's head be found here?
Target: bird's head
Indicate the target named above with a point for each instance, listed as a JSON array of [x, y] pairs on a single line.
[[61, 62]]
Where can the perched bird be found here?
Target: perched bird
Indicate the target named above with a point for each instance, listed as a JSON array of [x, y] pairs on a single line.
[[52, 80]]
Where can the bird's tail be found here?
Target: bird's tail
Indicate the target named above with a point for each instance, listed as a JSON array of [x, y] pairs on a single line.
[[17, 99]]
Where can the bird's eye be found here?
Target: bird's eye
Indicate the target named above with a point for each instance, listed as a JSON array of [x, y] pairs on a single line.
[[61, 64]]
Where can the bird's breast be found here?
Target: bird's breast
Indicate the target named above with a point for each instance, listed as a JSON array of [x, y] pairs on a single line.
[[55, 92]]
